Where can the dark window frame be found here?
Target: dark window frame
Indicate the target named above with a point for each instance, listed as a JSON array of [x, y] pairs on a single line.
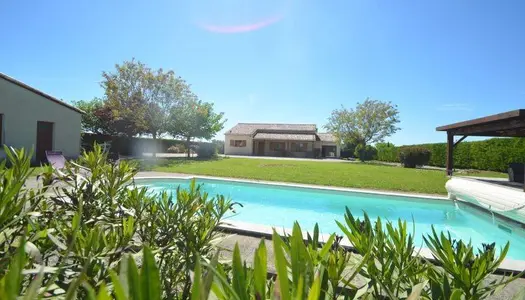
[[238, 143]]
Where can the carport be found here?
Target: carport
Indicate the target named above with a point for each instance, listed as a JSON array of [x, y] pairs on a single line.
[[507, 124]]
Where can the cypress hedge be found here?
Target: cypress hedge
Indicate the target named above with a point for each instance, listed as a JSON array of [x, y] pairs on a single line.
[[493, 154]]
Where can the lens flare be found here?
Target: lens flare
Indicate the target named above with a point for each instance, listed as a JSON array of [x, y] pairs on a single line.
[[242, 27], [237, 16]]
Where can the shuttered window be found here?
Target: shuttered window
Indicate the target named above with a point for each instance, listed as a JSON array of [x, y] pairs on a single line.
[[238, 143]]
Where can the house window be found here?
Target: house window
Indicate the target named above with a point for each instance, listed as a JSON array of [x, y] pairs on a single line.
[[299, 147], [238, 143], [276, 146], [1, 129]]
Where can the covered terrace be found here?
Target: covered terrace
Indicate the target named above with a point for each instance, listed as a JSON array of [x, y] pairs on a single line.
[[507, 124]]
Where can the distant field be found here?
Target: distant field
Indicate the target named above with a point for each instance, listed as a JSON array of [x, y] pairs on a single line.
[[353, 175]]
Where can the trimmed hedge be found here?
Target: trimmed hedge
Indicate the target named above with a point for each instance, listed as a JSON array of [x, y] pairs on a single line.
[[387, 152], [414, 156], [493, 154]]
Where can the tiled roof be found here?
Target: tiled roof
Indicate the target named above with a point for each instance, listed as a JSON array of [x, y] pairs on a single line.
[[38, 92], [327, 137], [284, 136], [251, 128]]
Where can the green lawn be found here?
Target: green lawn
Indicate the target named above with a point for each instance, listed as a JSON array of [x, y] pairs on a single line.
[[354, 175]]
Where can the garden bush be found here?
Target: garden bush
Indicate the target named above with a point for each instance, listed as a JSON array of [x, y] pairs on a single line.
[[206, 151], [89, 233], [411, 157], [365, 153], [387, 152], [348, 150]]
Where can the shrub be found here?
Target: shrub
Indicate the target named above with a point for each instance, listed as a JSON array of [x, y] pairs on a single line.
[[84, 227], [348, 150], [387, 152], [206, 151], [411, 157], [365, 153]]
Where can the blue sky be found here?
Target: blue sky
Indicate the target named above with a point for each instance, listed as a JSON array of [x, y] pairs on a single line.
[[439, 61]]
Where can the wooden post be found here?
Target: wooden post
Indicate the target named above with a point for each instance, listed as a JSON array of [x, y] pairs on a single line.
[[450, 153]]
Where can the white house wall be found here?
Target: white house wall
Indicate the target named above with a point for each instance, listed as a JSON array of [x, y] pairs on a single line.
[[21, 109], [229, 150]]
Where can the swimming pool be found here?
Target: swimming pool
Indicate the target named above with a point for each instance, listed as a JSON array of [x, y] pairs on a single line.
[[280, 206]]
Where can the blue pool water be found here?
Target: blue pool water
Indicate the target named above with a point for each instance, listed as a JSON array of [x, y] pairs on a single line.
[[280, 206]]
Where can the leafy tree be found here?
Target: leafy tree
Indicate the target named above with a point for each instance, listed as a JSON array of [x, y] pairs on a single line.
[[91, 121], [370, 122], [195, 119], [139, 99]]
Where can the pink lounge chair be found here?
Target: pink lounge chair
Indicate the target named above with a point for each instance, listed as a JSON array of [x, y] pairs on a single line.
[[56, 159]]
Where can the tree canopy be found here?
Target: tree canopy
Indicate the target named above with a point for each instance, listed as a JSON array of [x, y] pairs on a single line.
[[139, 100], [90, 121], [370, 122], [195, 119]]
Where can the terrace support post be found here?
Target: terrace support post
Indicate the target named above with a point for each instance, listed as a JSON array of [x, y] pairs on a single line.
[[450, 153]]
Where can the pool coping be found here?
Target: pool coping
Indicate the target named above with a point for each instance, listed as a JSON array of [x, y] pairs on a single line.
[[258, 230]]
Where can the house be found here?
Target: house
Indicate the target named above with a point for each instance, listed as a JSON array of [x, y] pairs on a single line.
[[32, 119], [292, 140]]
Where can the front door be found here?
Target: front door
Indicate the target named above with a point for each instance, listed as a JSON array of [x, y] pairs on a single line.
[[260, 149], [44, 140]]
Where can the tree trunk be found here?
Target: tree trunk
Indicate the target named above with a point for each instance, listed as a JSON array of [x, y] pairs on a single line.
[[154, 144], [188, 146]]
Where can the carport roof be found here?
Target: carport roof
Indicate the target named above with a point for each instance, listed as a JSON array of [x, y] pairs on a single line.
[[38, 92], [285, 137], [507, 124]]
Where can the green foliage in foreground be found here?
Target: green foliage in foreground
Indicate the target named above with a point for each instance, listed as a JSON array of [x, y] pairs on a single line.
[[89, 233]]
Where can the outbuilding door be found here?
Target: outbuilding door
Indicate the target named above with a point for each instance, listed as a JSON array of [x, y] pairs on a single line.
[[44, 140]]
